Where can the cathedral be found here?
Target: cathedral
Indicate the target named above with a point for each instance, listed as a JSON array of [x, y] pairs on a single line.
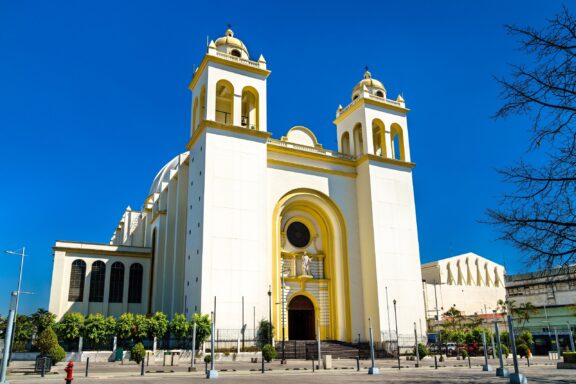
[[319, 240]]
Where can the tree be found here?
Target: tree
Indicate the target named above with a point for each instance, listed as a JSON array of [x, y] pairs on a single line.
[[157, 325], [179, 327], [110, 327], [70, 327], [265, 329], [124, 326], [524, 312], [538, 217], [203, 328], [24, 329], [140, 327], [95, 331], [45, 341], [43, 319], [2, 325]]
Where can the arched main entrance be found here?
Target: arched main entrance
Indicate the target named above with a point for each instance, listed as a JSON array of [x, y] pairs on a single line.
[[301, 319]]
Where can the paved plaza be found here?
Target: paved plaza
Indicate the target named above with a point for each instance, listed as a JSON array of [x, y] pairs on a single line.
[[299, 371]]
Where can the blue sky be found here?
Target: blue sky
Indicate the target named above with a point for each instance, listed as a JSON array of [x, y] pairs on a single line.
[[94, 100]]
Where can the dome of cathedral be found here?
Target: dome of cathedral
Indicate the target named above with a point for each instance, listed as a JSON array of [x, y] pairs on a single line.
[[231, 45], [374, 86], [164, 175]]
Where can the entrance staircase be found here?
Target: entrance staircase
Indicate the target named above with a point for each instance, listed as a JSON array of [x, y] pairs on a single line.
[[308, 349]]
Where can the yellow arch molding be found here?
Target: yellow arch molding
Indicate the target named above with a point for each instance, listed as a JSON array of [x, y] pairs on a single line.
[[299, 196]]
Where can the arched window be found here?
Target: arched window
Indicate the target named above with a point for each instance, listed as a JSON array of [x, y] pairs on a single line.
[[116, 283], [236, 53], [379, 93], [97, 277], [345, 144], [358, 141], [77, 275], [397, 139], [135, 283], [378, 138], [202, 111], [250, 108], [224, 102], [195, 114]]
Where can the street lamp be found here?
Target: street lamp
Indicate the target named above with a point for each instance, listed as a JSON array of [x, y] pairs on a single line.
[[21, 254], [283, 361], [270, 314]]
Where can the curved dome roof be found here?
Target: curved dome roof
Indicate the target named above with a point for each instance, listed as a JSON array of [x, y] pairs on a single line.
[[373, 85], [229, 43], [164, 175]]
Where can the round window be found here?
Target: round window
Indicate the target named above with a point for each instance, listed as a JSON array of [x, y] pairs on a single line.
[[298, 234]]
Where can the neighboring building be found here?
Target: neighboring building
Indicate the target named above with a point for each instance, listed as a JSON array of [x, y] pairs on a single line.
[[239, 210], [553, 295], [471, 283]]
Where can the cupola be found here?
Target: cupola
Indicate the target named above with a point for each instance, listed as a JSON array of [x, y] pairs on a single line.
[[374, 87], [232, 45]]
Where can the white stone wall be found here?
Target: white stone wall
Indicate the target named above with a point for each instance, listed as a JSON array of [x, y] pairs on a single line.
[[63, 260]]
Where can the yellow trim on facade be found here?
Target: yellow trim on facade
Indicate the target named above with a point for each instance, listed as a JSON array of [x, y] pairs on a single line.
[[384, 160], [310, 168], [364, 101], [305, 129], [215, 59], [333, 330], [224, 127], [98, 252]]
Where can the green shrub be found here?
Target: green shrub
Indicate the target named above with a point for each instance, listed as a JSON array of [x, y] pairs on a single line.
[[523, 350], [569, 357], [46, 342], [268, 353], [422, 351], [57, 354], [464, 353], [138, 352], [265, 330], [208, 359]]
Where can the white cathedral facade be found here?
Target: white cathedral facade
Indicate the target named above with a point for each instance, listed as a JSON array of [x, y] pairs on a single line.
[[241, 216]]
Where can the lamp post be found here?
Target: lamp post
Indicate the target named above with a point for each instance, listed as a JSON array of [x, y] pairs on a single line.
[[270, 314], [372, 370], [283, 361], [571, 337], [397, 336], [516, 377], [21, 254], [502, 372], [388, 312]]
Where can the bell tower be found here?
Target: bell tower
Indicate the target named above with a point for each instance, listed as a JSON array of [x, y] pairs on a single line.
[[228, 87], [373, 131], [372, 123], [226, 219]]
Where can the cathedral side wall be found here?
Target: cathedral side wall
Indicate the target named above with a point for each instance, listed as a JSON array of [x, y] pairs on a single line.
[[194, 233], [59, 304]]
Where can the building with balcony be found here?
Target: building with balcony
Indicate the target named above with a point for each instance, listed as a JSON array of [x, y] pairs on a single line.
[[322, 239]]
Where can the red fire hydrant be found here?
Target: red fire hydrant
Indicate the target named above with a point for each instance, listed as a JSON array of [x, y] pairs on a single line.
[[69, 368]]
